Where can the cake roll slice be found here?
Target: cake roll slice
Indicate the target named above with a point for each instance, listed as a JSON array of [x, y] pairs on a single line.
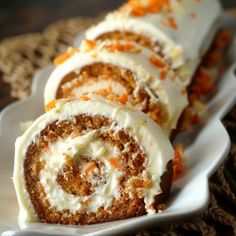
[[180, 31], [85, 162], [122, 72]]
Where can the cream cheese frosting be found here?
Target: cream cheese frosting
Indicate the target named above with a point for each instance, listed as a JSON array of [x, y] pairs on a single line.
[[150, 136], [168, 92], [196, 24], [86, 145]]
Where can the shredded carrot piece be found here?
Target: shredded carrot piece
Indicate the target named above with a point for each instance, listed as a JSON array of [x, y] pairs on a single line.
[[164, 74], [84, 98], [120, 47], [137, 10], [178, 166], [154, 8], [61, 58], [103, 92], [151, 6], [90, 168], [115, 163], [90, 43], [50, 105], [172, 23], [123, 98], [128, 46], [69, 160], [155, 61]]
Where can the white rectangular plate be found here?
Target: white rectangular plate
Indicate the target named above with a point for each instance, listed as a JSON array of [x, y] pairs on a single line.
[[207, 146]]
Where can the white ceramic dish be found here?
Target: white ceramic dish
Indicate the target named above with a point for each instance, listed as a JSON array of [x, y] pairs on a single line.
[[206, 148]]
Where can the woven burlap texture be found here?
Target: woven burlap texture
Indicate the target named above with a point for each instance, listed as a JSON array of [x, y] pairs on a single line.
[[22, 56]]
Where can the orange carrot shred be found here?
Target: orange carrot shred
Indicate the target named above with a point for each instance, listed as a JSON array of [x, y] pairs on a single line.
[[128, 46], [69, 160], [120, 47], [152, 6], [123, 98], [172, 23], [115, 163], [178, 167], [90, 43], [90, 168], [61, 58], [84, 98], [50, 105], [163, 74], [155, 61], [136, 8]]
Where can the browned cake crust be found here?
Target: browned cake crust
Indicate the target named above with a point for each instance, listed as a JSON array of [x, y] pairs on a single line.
[[138, 96], [71, 182]]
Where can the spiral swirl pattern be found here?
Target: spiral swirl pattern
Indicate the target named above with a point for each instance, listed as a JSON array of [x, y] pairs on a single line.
[[81, 168]]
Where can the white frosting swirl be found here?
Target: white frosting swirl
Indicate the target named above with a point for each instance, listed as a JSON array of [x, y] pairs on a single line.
[[151, 138], [86, 145]]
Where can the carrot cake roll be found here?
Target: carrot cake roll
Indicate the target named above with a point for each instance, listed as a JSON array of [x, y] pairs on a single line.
[[85, 162], [180, 31], [122, 72]]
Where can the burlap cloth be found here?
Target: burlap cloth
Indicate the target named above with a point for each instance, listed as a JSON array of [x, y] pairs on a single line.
[[21, 56]]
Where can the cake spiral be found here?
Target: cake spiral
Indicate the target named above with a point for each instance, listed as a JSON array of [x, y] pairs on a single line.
[[83, 160], [122, 72]]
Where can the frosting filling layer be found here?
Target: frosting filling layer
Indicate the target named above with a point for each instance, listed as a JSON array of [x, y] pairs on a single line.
[[73, 167]]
